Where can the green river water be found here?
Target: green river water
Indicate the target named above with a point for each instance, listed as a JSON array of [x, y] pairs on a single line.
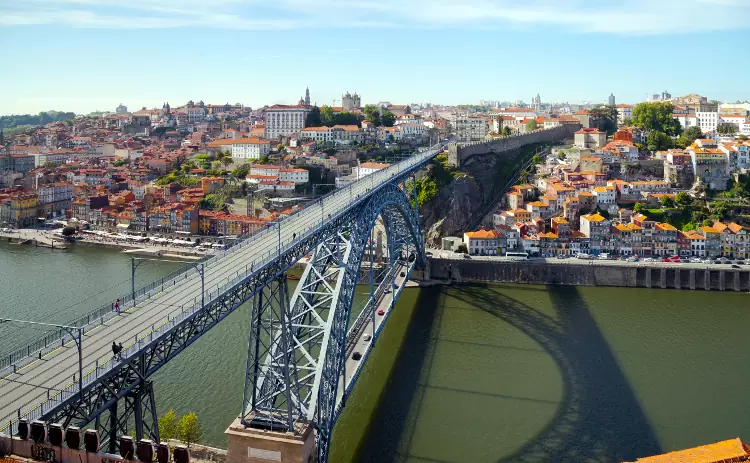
[[464, 373]]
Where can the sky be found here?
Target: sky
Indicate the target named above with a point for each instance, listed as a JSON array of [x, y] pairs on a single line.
[[87, 55]]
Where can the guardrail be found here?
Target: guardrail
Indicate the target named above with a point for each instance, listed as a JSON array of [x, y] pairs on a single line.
[[365, 316], [105, 363]]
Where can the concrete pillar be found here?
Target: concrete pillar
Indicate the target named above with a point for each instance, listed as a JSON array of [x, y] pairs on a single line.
[[251, 445], [678, 278], [707, 280], [648, 277], [691, 279], [737, 284], [722, 276], [663, 278]]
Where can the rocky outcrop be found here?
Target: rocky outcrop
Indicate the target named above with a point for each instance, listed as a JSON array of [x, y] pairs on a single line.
[[451, 211]]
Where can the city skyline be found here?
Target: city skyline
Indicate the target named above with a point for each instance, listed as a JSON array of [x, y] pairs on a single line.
[[447, 52]]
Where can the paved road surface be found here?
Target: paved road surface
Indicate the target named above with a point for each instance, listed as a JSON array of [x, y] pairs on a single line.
[[29, 387]]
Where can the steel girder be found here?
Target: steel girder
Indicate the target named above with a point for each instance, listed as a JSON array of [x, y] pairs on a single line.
[[308, 336]]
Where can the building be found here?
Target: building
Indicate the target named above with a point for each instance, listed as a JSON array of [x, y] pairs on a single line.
[[349, 102], [482, 242], [121, 109], [728, 451], [611, 99], [250, 148], [54, 198], [285, 120], [597, 228], [471, 129], [590, 138], [710, 164], [358, 172]]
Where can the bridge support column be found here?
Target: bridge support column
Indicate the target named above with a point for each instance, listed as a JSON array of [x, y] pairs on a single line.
[[252, 445], [691, 279]]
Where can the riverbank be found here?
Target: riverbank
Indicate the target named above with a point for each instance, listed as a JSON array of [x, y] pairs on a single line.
[[590, 273]]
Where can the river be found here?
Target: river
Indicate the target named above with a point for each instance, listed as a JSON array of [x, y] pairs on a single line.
[[464, 373]]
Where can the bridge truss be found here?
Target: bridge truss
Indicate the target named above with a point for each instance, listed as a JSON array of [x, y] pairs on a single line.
[[297, 345]]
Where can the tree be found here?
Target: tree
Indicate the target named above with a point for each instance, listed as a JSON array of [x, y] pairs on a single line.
[[68, 231], [689, 136], [189, 429], [727, 129], [536, 159], [742, 137], [656, 116], [683, 199], [531, 125], [667, 202], [658, 141], [372, 114], [313, 118], [345, 118], [639, 207], [507, 132], [388, 118], [605, 117], [462, 249], [241, 172], [52, 165], [168, 426], [264, 159], [326, 115], [227, 160]]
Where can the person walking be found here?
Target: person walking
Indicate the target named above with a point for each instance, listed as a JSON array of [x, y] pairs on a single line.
[[117, 306]]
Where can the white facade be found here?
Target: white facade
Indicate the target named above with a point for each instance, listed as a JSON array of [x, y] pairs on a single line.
[[605, 195], [413, 129], [58, 159], [55, 192], [624, 111], [195, 114], [686, 120], [708, 122], [283, 120], [471, 128], [296, 176], [250, 148], [339, 134]]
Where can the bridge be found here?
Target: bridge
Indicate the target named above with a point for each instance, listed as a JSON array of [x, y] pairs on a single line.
[[304, 355]]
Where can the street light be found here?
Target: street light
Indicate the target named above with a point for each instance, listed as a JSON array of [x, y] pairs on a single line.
[[75, 332]]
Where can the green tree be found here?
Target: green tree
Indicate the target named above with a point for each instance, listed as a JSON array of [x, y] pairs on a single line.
[[531, 125], [241, 172], [507, 132], [345, 118], [605, 118], [264, 159], [658, 141], [68, 231], [683, 199], [326, 115], [727, 129], [388, 118], [656, 116], [372, 114], [313, 118], [52, 165], [742, 137], [639, 207], [667, 202], [168, 426], [536, 159], [689, 136], [189, 429], [227, 160]]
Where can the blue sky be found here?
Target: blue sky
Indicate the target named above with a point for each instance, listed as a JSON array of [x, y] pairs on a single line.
[[84, 55]]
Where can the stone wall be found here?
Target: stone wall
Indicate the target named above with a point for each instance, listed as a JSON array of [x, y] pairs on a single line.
[[459, 153], [592, 273]]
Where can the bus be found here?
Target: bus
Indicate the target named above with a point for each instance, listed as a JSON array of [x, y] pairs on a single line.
[[517, 255]]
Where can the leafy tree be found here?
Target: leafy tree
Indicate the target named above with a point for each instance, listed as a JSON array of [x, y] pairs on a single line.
[[639, 207], [52, 165], [536, 159], [658, 141], [388, 118], [227, 160], [561, 155], [667, 202], [68, 231], [264, 159], [213, 202], [313, 118], [605, 117], [345, 118], [727, 129], [372, 114], [689, 136], [742, 137], [656, 116], [683, 199], [168, 426], [531, 125], [189, 429], [462, 249], [326, 115], [507, 132], [241, 172]]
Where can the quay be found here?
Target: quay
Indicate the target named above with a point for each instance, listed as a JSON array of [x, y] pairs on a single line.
[[588, 273]]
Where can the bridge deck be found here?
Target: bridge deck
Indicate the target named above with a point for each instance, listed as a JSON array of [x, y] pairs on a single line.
[[31, 386]]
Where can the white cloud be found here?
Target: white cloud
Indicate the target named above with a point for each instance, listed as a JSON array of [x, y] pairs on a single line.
[[624, 17]]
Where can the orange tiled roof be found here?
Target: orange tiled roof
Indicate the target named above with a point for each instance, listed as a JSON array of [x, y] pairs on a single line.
[[728, 450], [483, 234]]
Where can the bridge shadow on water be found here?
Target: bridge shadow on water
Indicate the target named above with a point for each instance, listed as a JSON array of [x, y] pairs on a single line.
[[598, 419]]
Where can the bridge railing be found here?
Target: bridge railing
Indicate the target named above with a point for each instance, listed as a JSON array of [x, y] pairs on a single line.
[[105, 363]]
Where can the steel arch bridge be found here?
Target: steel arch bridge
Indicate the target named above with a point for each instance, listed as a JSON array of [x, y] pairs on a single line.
[[298, 346]]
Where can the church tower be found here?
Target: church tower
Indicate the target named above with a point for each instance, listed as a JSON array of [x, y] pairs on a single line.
[[307, 96]]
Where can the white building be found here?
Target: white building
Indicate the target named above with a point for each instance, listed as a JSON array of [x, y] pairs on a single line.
[[276, 186], [708, 121], [624, 111], [55, 192], [43, 158], [482, 242], [250, 148], [471, 128], [195, 114], [413, 129], [358, 172], [338, 134], [605, 195], [285, 120]]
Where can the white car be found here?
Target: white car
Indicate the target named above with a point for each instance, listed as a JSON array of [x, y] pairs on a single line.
[[366, 337]]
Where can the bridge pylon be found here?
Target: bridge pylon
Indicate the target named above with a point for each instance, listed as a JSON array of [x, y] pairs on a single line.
[[137, 407]]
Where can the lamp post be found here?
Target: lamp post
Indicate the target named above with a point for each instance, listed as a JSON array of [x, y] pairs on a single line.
[[75, 332]]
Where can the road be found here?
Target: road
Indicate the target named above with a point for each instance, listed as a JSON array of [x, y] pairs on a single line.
[[26, 389]]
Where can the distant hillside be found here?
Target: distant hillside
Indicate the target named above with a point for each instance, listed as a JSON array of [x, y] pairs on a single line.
[[9, 122]]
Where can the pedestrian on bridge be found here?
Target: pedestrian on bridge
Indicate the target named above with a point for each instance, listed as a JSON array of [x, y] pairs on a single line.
[[117, 305]]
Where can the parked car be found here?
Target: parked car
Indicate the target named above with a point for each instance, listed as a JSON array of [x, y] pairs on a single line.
[[466, 256], [356, 356], [735, 266], [381, 312], [367, 337]]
